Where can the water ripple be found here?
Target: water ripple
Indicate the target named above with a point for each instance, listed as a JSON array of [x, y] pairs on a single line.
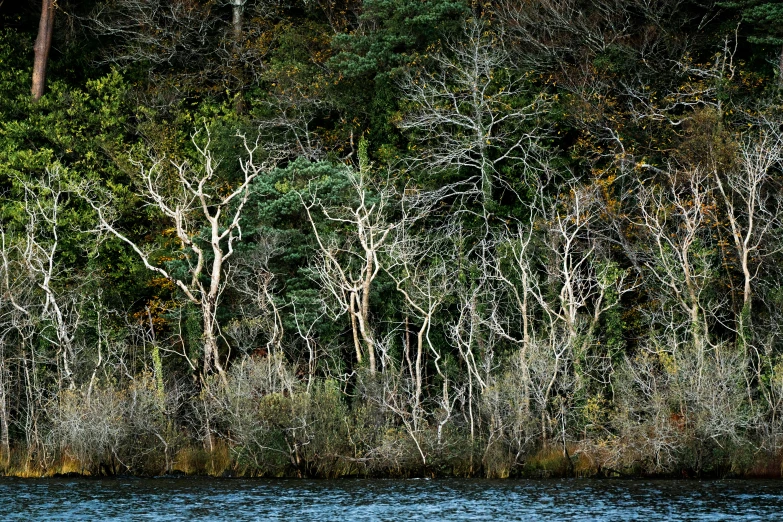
[[169, 499]]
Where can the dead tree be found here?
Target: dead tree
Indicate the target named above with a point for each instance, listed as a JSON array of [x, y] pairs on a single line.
[[752, 209], [39, 251], [418, 263], [549, 284], [673, 220], [39, 300], [16, 325], [465, 110], [260, 312], [347, 266], [154, 31], [195, 199]]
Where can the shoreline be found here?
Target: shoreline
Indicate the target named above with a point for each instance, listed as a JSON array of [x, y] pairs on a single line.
[[534, 469]]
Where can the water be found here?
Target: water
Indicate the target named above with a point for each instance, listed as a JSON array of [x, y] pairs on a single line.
[[408, 500]]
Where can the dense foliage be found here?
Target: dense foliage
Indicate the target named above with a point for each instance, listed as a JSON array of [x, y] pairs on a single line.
[[401, 237]]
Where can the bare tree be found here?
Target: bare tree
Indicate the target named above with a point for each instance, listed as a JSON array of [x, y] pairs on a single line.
[[465, 110], [192, 42], [700, 382], [566, 35], [195, 198], [476, 346], [39, 301], [5, 404], [752, 208], [348, 266], [673, 218], [261, 313], [291, 123], [6, 334], [419, 265], [40, 251], [585, 282], [154, 31]]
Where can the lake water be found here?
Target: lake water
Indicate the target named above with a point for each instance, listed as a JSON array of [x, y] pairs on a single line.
[[407, 500]]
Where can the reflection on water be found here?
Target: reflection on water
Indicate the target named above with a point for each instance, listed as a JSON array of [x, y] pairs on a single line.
[[409, 500]]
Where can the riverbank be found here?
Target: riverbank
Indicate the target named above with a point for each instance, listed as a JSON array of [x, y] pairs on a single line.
[[222, 462]]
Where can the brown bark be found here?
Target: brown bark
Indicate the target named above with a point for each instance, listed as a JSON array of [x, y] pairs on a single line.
[[42, 45]]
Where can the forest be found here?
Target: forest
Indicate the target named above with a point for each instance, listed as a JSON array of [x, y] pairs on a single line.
[[332, 238]]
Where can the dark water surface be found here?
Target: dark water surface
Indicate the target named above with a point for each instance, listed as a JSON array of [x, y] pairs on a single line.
[[406, 500]]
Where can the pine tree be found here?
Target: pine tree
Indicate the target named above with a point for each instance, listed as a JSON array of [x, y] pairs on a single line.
[[764, 20]]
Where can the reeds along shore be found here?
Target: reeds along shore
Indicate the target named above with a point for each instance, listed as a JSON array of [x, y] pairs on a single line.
[[268, 423]]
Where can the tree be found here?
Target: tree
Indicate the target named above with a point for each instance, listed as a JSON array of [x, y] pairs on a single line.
[[14, 318], [752, 210], [189, 47], [674, 219], [43, 44], [42, 319], [418, 263], [467, 112], [764, 21], [197, 198], [56, 309], [551, 309], [237, 6], [347, 266], [254, 280], [154, 32]]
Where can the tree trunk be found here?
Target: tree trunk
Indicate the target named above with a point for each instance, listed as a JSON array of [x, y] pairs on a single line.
[[209, 305], [42, 45], [780, 67], [365, 311], [236, 24], [211, 352], [419, 354], [236, 21], [5, 445], [355, 327]]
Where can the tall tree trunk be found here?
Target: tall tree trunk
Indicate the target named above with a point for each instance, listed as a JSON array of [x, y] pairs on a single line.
[[209, 305], [5, 445], [780, 67], [42, 45], [236, 23], [365, 309], [210, 340], [236, 20]]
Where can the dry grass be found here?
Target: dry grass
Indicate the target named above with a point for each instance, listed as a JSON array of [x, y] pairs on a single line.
[[548, 462], [192, 460], [766, 466]]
